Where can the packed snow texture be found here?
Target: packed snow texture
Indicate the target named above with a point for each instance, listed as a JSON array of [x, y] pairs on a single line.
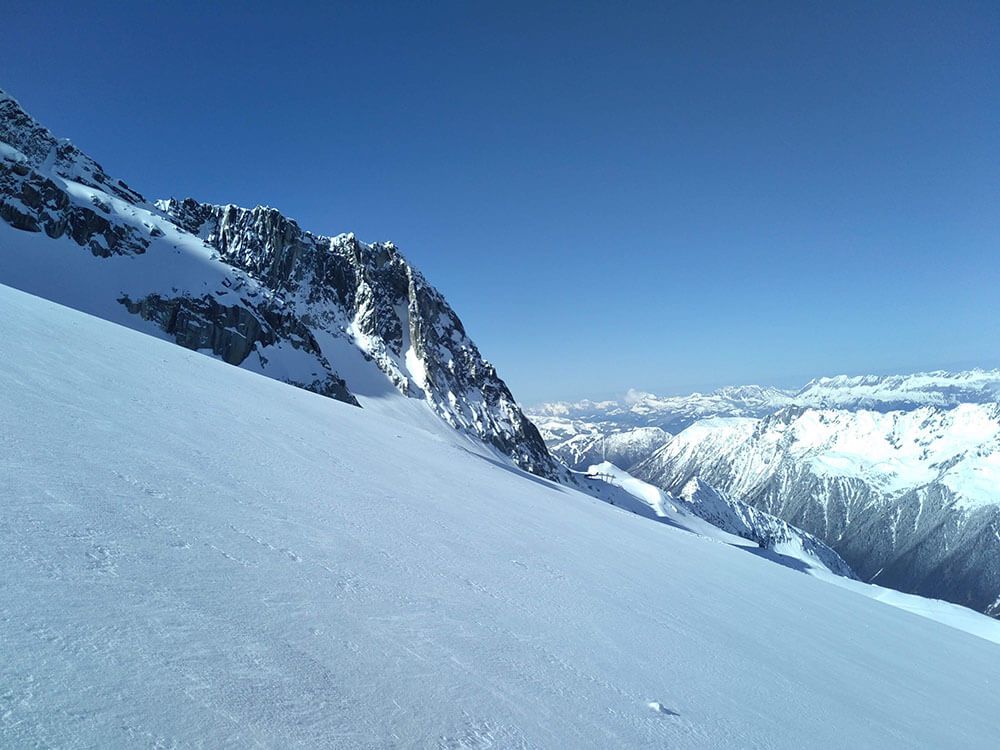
[[703, 510], [194, 555]]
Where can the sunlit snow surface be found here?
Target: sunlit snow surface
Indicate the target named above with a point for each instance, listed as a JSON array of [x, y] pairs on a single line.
[[194, 555]]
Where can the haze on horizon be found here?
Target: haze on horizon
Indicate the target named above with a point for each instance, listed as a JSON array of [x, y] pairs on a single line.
[[666, 199]]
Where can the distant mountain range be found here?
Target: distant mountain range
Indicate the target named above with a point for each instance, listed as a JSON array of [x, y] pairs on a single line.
[[669, 413], [854, 392], [899, 474], [629, 430]]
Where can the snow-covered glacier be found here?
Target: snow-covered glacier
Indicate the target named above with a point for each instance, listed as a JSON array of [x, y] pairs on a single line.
[[197, 556]]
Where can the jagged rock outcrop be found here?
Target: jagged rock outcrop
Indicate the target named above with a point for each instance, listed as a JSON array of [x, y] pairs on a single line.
[[370, 294], [233, 332], [41, 150], [36, 202]]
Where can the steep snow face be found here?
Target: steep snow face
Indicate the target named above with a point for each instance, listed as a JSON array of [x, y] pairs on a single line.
[[333, 315], [703, 510], [305, 574], [770, 533], [910, 499]]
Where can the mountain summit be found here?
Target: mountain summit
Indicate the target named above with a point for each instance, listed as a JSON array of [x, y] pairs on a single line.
[[350, 320]]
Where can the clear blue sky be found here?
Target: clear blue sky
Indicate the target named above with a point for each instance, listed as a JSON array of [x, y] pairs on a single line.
[[664, 196]]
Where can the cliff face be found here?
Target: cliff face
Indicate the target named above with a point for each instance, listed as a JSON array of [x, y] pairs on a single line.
[[370, 295]]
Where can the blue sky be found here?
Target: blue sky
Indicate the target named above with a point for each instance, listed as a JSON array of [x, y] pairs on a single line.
[[661, 196]]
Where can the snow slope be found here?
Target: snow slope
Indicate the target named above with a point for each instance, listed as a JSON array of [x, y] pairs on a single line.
[[195, 555], [703, 510]]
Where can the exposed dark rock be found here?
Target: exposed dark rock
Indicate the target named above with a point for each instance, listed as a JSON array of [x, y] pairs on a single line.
[[234, 332], [34, 202], [40, 148]]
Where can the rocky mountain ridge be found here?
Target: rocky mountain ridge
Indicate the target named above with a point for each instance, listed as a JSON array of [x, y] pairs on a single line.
[[347, 319]]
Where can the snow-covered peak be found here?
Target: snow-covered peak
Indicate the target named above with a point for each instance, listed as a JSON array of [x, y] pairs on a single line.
[[891, 392], [563, 421], [44, 152], [899, 451], [910, 499], [372, 296]]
